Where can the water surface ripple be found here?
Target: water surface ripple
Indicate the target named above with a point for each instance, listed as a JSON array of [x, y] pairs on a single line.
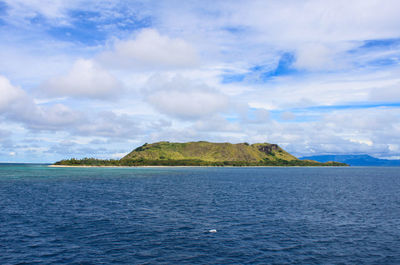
[[164, 215]]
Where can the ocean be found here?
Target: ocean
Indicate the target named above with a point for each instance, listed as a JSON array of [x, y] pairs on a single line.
[[312, 215]]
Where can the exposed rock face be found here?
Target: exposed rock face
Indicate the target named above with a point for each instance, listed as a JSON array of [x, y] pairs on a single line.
[[267, 149]]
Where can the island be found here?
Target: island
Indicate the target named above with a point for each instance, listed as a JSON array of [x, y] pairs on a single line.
[[202, 153]]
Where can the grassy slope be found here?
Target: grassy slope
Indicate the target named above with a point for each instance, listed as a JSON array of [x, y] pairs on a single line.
[[207, 151], [201, 154]]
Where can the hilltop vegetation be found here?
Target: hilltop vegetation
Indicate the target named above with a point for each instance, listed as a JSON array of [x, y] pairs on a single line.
[[212, 152], [202, 154]]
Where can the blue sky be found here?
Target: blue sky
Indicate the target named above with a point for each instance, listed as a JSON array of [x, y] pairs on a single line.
[[99, 78]]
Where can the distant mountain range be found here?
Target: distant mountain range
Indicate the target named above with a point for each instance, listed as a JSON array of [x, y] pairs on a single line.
[[355, 160]]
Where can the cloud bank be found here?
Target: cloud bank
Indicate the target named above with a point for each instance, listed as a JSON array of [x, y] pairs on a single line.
[[86, 79]]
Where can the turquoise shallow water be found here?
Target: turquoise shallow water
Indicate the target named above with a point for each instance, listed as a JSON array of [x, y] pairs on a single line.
[[164, 215]]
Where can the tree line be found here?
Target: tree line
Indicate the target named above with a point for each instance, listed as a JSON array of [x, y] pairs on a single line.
[[188, 162]]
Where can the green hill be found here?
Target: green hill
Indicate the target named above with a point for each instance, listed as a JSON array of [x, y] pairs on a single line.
[[203, 154], [211, 152]]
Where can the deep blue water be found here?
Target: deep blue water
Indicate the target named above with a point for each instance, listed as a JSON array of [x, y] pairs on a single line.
[[163, 215]]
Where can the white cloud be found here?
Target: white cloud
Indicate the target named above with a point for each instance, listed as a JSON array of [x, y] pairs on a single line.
[[386, 93], [216, 123], [287, 116], [362, 122], [108, 124], [184, 98], [17, 105], [150, 51], [322, 90], [314, 20], [51, 9], [86, 79], [10, 95], [55, 117], [318, 56]]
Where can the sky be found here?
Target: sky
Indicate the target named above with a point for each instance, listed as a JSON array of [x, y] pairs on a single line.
[[100, 78]]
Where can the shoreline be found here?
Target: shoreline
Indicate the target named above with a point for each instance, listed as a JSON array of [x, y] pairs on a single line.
[[80, 166]]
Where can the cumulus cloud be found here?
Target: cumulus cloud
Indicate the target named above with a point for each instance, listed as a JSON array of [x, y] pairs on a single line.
[[17, 105], [372, 121], [373, 131], [55, 117], [150, 50], [86, 79], [183, 98], [110, 125], [10, 95]]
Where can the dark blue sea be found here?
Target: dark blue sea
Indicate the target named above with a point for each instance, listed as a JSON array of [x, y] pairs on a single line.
[[164, 215]]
